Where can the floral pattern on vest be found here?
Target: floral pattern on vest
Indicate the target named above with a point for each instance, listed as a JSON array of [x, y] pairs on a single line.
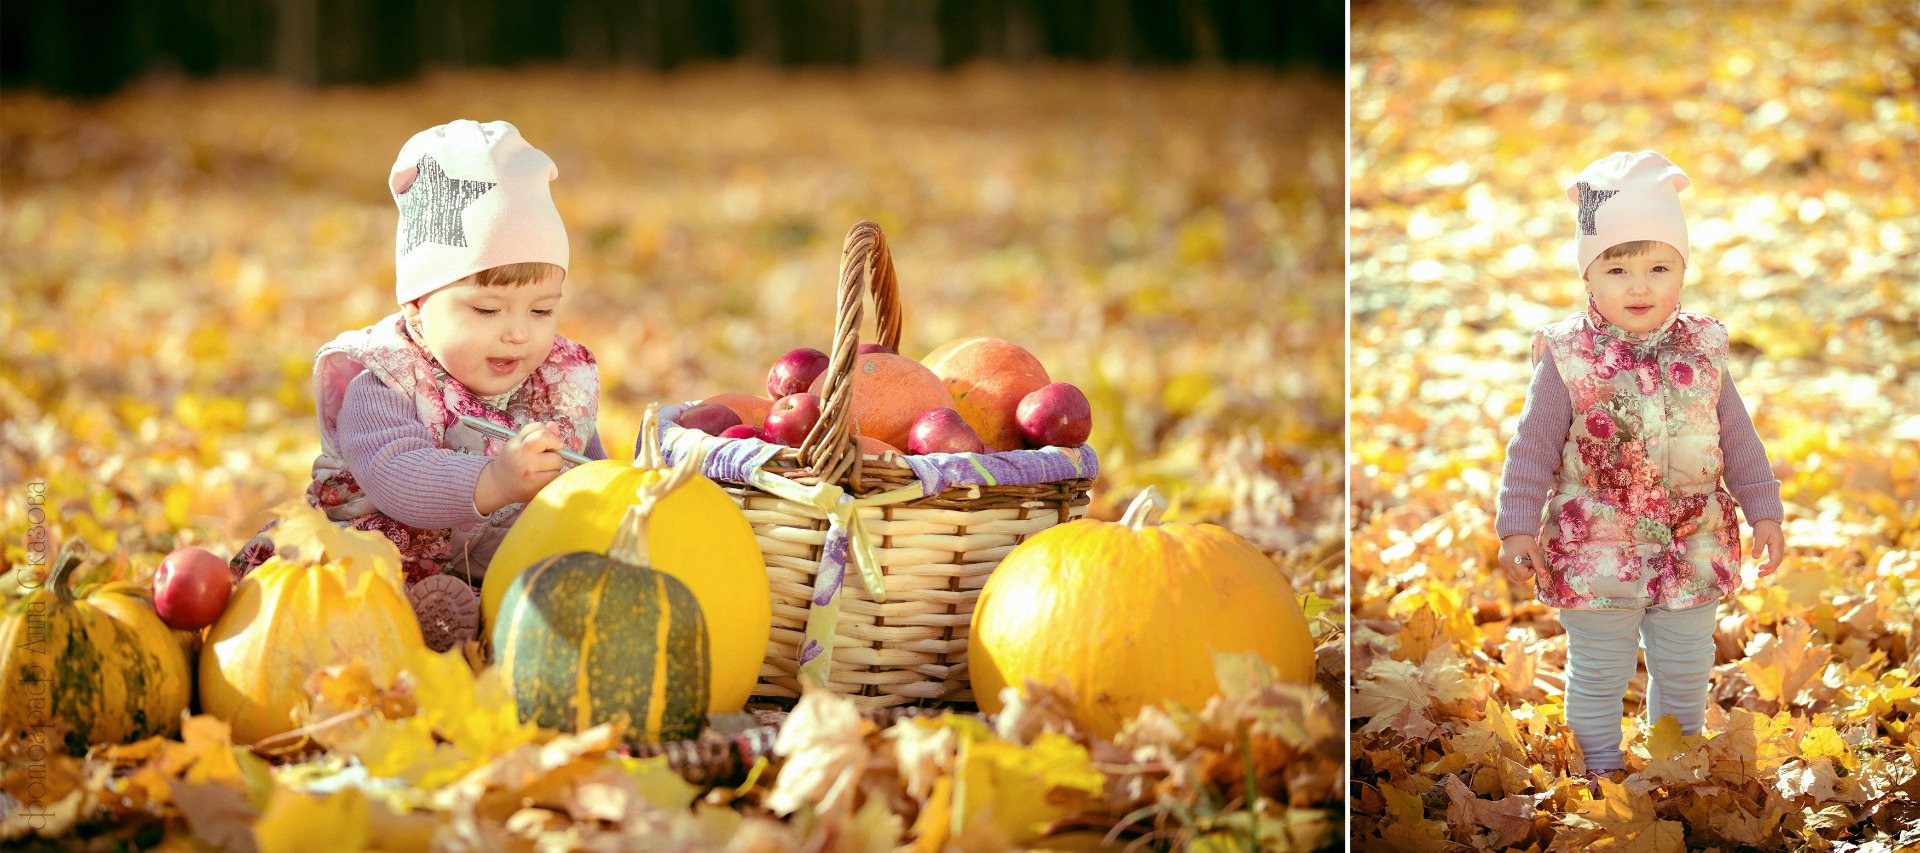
[[1639, 516], [563, 391]]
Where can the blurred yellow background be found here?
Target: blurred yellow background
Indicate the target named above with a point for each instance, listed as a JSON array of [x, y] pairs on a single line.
[[1168, 240]]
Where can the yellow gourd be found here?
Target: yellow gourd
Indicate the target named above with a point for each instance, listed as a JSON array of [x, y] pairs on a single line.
[[697, 534], [327, 597], [1131, 613]]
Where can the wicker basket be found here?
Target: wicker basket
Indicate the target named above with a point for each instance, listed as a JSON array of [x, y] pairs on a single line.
[[930, 553]]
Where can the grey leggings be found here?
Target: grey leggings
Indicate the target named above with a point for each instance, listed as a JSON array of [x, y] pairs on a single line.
[[1603, 650]]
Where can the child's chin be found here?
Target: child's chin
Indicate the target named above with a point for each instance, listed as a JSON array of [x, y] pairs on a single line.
[[490, 385]]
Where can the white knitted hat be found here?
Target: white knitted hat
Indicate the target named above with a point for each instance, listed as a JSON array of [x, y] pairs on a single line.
[[1626, 197], [472, 197]]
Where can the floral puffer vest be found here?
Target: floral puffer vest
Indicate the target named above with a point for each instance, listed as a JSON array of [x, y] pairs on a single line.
[[1639, 517], [564, 391]]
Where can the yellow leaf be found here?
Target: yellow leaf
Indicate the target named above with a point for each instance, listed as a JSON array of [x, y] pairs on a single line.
[[659, 783], [1409, 829], [876, 829], [1391, 694], [477, 714], [1024, 788], [401, 749], [1781, 666], [305, 535], [1627, 823], [205, 752], [175, 503], [1825, 742], [935, 823], [1313, 605], [297, 822]]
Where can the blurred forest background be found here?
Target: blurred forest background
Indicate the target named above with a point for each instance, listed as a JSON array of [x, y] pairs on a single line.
[[1799, 124], [95, 47]]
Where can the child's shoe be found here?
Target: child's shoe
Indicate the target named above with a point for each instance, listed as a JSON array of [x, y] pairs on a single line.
[[449, 610]]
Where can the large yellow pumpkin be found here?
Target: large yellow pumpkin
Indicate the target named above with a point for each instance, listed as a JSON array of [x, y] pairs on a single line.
[[1131, 613], [306, 608], [696, 534], [99, 668]]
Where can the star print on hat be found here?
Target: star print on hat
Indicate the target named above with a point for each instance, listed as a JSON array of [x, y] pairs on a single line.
[[472, 197], [1625, 197]]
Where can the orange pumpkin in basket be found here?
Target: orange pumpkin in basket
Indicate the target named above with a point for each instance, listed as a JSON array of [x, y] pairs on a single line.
[[1131, 614], [988, 378], [890, 392]]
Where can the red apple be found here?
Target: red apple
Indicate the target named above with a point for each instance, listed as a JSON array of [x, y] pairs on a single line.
[[791, 418], [710, 418], [868, 349], [740, 431], [190, 588], [1057, 415], [795, 371], [943, 431]]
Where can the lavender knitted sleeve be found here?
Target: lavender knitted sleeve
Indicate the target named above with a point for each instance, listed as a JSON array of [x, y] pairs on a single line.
[[395, 461], [1533, 457], [1744, 466]]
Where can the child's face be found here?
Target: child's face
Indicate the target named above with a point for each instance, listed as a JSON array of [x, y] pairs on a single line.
[[489, 338], [1637, 293]]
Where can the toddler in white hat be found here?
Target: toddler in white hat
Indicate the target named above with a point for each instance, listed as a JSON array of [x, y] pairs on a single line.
[[1631, 457], [480, 261]]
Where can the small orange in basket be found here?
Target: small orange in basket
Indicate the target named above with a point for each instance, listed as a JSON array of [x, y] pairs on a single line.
[[875, 447], [890, 392], [988, 378], [752, 410]]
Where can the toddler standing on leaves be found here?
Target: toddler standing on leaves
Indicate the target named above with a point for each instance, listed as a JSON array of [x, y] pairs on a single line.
[[480, 258], [1630, 458]]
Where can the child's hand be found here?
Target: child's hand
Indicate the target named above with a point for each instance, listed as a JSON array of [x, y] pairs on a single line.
[[1768, 540], [1520, 555], [526, 465]]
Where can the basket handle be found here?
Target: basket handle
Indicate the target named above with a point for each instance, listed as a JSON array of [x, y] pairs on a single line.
[[865, 266]]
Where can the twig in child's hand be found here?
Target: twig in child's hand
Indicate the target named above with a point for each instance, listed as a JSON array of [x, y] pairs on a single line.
[[504, 434]]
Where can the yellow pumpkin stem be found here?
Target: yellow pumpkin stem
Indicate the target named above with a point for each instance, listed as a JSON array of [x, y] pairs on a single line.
[[630, 543], [61, 578], [1145, 510], [648, 455]]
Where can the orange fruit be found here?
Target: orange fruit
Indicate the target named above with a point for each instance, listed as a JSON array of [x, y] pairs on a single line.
[[752, 410], [988, 377], [870, 446], [890, 392]]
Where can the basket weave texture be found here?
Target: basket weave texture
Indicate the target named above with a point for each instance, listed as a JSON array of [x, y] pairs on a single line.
[[932, 553]]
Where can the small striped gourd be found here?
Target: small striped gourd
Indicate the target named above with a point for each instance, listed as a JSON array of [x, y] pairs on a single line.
[[585, 638], [697, 535], [100, 668]]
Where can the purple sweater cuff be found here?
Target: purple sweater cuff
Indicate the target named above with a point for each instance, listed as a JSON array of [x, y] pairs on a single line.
[[1533, 457], [396, 462]]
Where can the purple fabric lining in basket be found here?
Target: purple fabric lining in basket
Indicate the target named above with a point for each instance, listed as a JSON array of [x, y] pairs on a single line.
[[941, 471], [737, 459]]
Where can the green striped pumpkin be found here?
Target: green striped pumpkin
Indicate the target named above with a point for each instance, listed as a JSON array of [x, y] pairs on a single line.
[[587, 638], [88, 670]]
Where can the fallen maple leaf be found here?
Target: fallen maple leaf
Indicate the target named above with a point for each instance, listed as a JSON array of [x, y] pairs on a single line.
[[1782, 665], [824, 747], [1625, 822]]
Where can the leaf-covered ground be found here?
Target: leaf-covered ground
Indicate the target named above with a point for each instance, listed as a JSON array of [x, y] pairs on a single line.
[[1799, 123], [1168, 241]]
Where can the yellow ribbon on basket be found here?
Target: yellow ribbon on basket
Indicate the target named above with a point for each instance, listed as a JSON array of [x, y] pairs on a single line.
[[847, 541]]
